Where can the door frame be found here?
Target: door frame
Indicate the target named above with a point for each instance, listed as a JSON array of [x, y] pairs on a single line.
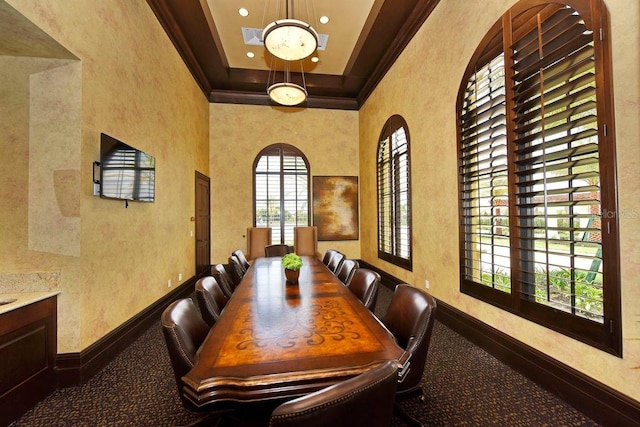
[[202, 218]]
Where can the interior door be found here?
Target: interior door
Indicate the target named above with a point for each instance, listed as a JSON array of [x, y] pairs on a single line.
[[203, 225]]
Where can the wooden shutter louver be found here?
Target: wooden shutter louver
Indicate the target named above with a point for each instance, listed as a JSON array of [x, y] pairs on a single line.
[[557, 164]]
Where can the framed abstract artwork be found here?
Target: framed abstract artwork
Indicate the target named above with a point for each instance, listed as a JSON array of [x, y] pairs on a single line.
[[335, 207]]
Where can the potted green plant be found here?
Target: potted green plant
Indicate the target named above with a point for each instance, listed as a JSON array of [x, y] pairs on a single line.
[[292, 263]]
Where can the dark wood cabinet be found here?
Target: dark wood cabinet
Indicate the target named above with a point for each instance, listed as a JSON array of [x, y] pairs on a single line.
[[27, 355]]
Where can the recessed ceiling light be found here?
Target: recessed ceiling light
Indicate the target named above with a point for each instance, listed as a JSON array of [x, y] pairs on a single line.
[[243, 12], [315, 59], [250, 54], [324, 19]]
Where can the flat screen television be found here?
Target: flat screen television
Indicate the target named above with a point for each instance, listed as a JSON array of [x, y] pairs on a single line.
[[125, 172]]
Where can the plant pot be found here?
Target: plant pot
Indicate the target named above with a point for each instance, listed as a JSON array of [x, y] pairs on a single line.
[[292, 275]]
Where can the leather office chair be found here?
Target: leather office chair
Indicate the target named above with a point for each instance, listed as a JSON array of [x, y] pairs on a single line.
[[365, 400], [235, 270], [335, 262], [305, 241], [184, 331], [327, 256], [364, 284], [276, 250], [241, 266], [257, 239], [243, 259], [410, 318], [211, 299], [346, 270], [220, 273]]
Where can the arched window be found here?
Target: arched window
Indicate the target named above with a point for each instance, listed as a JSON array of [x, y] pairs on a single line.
[[538, 226], [394, 193], [281, 191]]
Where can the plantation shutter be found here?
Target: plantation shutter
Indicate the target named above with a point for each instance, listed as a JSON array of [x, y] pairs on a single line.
[[267, 189], [557, 194], [536, 156], [394, 197], [484, 178], [385, 195], [400, 165], [295, 195], [281, 191]]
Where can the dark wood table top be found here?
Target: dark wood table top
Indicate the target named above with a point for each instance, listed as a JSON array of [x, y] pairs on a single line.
[[276, 340]]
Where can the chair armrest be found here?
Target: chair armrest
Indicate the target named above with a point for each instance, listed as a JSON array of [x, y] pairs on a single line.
[[404, 361], [404, 365]]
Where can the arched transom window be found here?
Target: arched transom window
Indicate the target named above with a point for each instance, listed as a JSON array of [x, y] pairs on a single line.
[[394, 193], [538, 206]]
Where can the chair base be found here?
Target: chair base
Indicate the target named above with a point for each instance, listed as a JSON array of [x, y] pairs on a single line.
[[399, 410], [206, 420]]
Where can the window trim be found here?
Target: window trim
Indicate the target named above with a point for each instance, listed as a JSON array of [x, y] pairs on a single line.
[[282, 147], [608, 335], [394, 123]]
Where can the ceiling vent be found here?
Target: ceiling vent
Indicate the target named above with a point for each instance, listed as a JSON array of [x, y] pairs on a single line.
[[253, 37]]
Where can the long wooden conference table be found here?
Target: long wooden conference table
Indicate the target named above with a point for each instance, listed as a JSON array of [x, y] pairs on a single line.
[[277, 340]]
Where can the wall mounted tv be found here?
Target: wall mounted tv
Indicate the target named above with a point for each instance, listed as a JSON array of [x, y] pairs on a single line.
[[125, 172]]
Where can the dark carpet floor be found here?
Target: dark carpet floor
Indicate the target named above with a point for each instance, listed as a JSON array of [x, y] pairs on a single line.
[[464, 386]]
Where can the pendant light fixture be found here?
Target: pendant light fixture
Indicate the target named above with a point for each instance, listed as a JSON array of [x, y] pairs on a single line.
[[290, 39], [286, 92]]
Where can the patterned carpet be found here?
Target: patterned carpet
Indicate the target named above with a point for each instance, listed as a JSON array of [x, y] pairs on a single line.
[[464, 385]]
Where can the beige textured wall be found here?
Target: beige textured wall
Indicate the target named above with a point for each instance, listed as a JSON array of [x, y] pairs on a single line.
[[328, 138], [422, 87], [39, 182], [133, 86]]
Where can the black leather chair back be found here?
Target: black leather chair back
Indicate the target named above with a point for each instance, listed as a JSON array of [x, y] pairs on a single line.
[[235, 270], [241, 267], [327, 256], [364, 284], [365, 400], [220, 273], [242, 258], [410, 319], [184, 331], [211, 299], [276, 250], [346, 270], [335, 262]]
